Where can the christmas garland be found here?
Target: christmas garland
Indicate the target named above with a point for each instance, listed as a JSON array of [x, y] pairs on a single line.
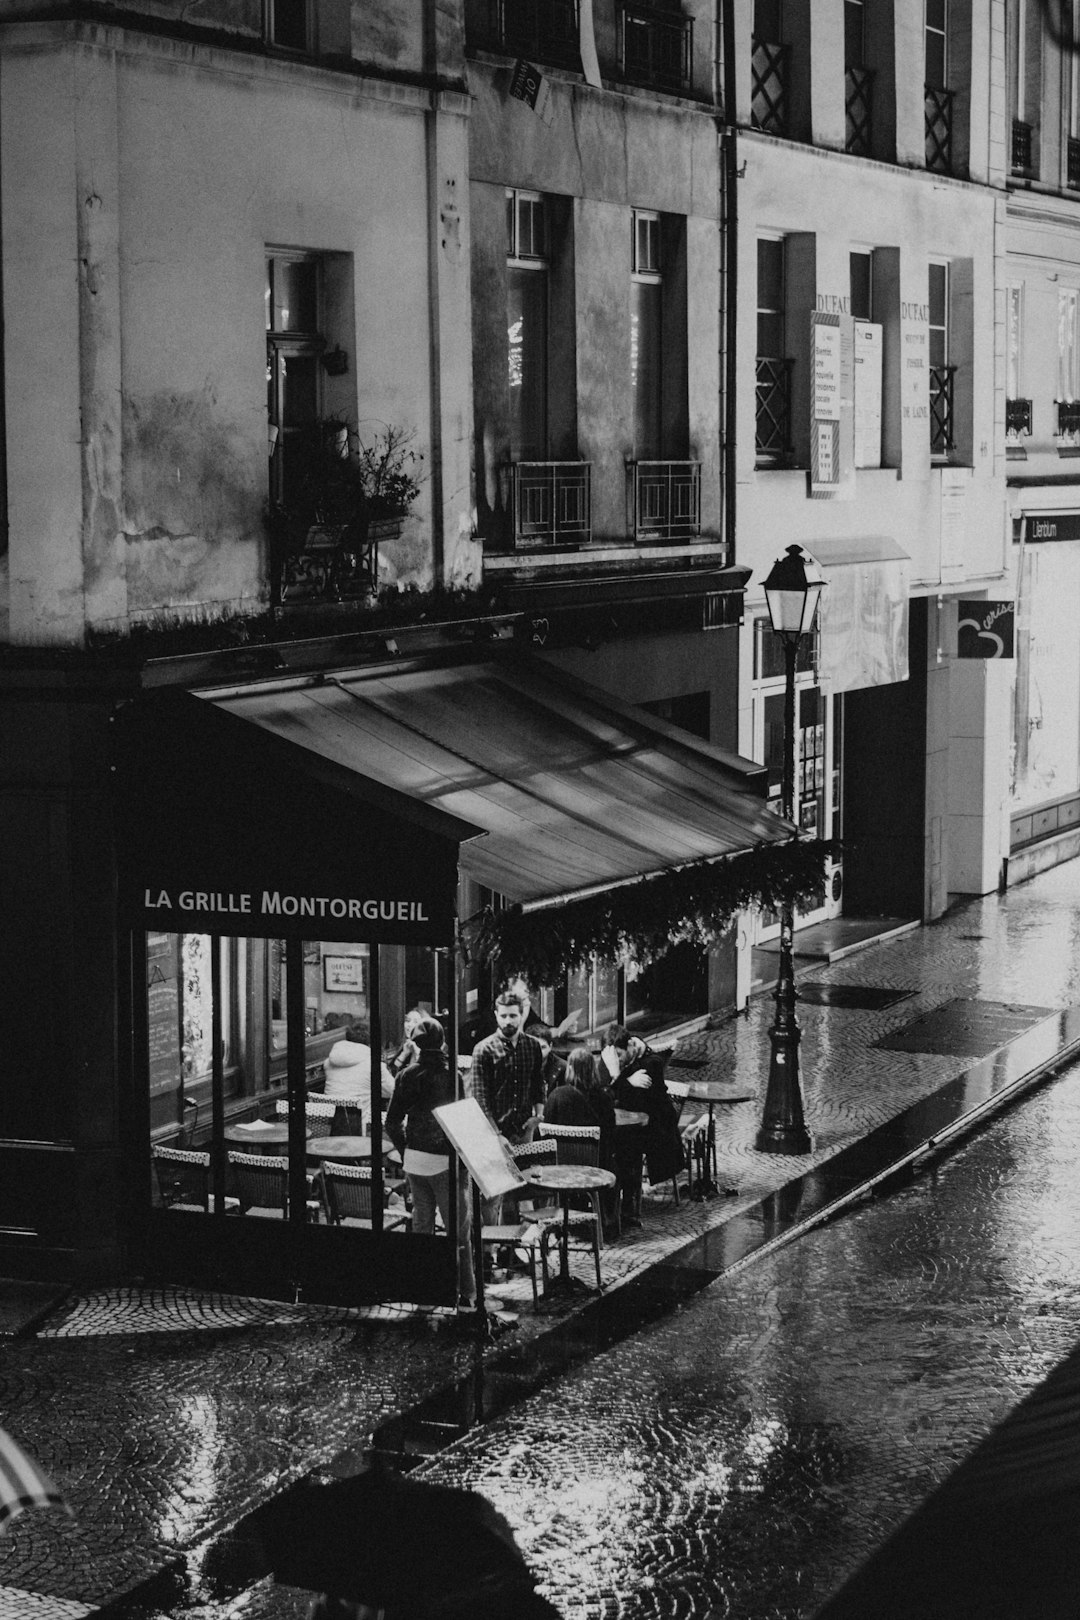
[[640, 920]]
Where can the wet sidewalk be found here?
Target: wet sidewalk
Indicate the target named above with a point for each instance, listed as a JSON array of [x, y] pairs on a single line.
[[168, 1417]]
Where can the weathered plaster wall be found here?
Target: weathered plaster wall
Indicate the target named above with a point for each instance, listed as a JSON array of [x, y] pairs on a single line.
[[134, 272]]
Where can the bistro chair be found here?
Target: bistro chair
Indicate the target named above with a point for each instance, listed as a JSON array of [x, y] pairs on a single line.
[[261, 1183], [526, 1236], [318, 1111], [183, 1179], [577, 1144], [348, 1118], [346, 1190], [574, 1144]]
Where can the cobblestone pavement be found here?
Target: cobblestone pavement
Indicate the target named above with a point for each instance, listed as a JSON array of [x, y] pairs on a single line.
[[165, 1416]]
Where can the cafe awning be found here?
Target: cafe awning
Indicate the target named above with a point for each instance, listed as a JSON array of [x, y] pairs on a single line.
[[556, 790]]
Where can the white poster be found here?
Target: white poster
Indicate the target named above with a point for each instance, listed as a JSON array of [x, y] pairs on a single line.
[[868, 353], [826, 372]]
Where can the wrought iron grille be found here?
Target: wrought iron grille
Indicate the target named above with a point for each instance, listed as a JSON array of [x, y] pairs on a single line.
[[939, 129], [773, 436], [1018, 417], [1068, 414], [942, 424], [859, 106], [655, 47], [545, 30], [552, 503], [1072, 161], [769, 81], [665, 499], [1021, 147]]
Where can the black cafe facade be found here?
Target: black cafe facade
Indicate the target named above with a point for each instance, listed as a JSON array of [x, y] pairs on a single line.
[[259, 867]]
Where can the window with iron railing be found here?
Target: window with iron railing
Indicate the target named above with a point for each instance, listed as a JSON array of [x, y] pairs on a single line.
[[656, 46], [665, 499], [859, 107], [551, 503], [1021, 147], [942, 415], [769, 83], [543, 30], [939, 129], [1068, 419], [773, 430], [1018, 418]]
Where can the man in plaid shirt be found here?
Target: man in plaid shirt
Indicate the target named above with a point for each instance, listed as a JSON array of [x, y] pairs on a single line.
[[507, 1079]]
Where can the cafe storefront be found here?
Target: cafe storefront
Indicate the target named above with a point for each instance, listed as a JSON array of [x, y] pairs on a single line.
[[296, 857]]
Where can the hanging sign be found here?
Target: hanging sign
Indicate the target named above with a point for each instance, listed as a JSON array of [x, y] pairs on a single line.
[[985, 629]]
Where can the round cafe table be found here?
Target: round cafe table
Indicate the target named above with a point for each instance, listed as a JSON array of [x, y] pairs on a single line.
[[565, 1179], [258, 1136], [710, 1092], [346, 1148]]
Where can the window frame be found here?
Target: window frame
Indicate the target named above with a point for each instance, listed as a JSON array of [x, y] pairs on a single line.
[[310, 32], [284, 343], [933, 31], [944, 452], [534, 264]]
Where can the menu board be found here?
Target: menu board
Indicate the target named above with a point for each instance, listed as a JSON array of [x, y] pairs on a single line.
[[480, 1147], [163, 1011]]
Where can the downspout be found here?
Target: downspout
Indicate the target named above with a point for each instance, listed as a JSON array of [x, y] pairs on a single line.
[[729, 262], [431, 181]]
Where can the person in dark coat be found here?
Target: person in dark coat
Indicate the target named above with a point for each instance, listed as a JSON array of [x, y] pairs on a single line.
[[583, 1099], [423, 1144], [554, 1069], [638, 1092]]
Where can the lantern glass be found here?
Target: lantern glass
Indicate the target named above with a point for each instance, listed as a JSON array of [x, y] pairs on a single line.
[[792, 592]]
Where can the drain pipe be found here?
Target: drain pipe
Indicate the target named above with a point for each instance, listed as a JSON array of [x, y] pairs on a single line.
[[729, 272]]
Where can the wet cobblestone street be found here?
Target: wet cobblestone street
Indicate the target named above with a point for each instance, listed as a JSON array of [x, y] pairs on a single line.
[[741, 1458]]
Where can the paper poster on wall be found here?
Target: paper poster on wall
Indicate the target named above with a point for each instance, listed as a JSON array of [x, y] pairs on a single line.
[[832, 401], [868, 373]]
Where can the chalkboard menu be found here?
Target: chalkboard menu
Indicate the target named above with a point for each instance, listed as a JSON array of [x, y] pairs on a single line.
[[163, 1011]]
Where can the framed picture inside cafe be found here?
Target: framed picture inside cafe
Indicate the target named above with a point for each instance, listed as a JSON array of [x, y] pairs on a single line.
[[345, 975]]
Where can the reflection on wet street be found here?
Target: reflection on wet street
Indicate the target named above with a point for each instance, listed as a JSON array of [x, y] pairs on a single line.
[[743, 1457]]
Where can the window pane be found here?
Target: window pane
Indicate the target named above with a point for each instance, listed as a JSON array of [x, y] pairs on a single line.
[[299, 400], [645, 367], [646, 244], [770, 335], [768, 20], [1012, 342], [289, 28], [935, 14], [938, 289], [531, 237], [526, 319], [853, 33], [861, 302], [295, 305], [770, 270], [935, 61]]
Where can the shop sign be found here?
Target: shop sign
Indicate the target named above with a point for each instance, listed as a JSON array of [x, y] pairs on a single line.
[[985, 629], [1043, 526], [268, 911]]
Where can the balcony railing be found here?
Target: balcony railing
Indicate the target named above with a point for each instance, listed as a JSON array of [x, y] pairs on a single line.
[[942, 422], [769, 80], [1072, 164], [1068, 418], [665, 499], [939, 129], [773, 433], [859, 107], [1021, 147], [1018, 417], [655, 47], [551, 503], [543, 30]]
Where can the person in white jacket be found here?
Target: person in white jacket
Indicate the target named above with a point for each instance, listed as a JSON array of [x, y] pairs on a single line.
[[348, 1072]]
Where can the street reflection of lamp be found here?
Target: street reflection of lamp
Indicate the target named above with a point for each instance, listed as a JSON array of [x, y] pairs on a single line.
[[792, 592]]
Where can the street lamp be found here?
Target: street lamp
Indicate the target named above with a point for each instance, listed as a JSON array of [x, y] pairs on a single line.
[[792, 592]]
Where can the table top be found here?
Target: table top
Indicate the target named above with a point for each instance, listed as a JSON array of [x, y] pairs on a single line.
[[345, 1147], [568, 1177], [717, 1091], [257, 1132]]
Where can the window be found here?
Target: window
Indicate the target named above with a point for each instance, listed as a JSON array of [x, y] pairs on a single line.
[[858, 81], [289, 24], [543, 30], [939, 99], [942, 423], [769, 69], [773, 436], [293, 346], [1072, 133], [656, 43], [1021, 149], [854, 32], [1017, 408], [861, 265], [1068, 379], [527, 324], [645, 336]]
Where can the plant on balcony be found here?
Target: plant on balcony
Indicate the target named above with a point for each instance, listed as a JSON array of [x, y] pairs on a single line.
[[342, 482]]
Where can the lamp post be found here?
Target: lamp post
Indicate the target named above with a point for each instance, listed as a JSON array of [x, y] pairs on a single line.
[[792, 591]]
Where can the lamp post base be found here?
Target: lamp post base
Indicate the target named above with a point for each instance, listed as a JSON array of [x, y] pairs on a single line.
[[783, 1125]]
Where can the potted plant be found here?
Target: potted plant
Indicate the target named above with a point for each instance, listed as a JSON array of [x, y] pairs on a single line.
[[346, 489]]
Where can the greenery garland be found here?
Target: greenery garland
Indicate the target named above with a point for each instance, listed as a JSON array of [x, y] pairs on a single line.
[[640, 920]]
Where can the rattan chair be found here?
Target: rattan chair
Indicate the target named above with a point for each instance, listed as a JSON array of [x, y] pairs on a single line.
[[524, 1236], [261, 1183], [348, 1118], [347, 1196], [319, 1113], [183, 1179], [576, 1144]]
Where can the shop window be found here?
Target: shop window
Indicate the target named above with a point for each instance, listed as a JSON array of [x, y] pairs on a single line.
[[774, 366], [180, 1010]]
